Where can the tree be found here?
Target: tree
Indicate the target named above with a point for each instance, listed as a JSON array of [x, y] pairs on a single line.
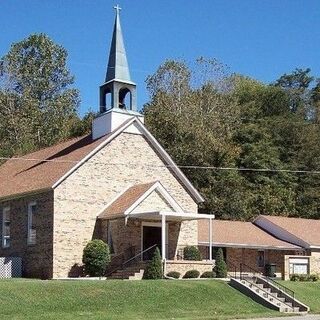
[[154, 269], [96, 257], [196, 122], [220, 266], [38, 105]]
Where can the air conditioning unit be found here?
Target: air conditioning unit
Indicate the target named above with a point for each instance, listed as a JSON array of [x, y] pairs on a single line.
[[10, 267]]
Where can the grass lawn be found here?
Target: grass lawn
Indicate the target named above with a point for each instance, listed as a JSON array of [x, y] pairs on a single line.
[[306, 292], [66, 300]]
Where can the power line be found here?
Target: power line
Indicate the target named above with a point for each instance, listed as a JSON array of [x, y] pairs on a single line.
[[266, 170]]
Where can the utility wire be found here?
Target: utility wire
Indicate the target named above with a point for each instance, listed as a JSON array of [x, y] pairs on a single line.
[[266, 170]]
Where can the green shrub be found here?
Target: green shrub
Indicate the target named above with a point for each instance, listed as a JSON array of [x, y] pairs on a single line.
[[220, 267], [174, 274], [191, 274], [96, 257], [191, 253], [303, 277], [294, 277], [154, 268], [313, 277], [208, 274]]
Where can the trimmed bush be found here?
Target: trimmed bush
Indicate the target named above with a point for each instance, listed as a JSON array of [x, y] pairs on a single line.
[[96, 257], [154, 268], [294, 277], [208, 274], [303, 277], [191, 253], [221, 267], [174, 274], [313, 277], [191, 274]]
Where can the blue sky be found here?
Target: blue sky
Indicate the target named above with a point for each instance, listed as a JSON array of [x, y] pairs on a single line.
[[259, 38]]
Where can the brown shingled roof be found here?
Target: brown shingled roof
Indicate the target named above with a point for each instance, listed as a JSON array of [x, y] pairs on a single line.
[[239, 234], [23, 176], [307, 230], [125, 200]]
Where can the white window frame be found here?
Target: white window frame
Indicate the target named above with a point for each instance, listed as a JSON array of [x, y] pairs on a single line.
[[30, 239], [5, 210]]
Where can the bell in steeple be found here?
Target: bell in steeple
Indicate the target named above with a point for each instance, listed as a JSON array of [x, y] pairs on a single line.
[[118, 83]]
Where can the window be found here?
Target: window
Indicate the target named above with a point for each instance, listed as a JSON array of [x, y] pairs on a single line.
[[260, 259], [31, 223], [6, 227]]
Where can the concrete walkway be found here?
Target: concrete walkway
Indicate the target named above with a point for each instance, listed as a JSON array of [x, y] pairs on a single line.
[[302, 317]]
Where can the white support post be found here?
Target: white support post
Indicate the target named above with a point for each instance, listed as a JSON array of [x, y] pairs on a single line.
[[210, 239], [163, 241], [163, 236]]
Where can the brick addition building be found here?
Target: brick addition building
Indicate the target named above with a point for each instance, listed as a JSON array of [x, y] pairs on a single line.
[[292, 245]]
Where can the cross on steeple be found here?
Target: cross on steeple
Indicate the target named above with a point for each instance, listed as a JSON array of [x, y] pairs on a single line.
[[117, 8]]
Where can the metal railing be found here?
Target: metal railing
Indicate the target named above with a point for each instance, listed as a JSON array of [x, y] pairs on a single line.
[[123, 264], [247, 272]]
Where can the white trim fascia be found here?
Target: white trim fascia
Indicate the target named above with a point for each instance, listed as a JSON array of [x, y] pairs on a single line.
[[113, 200], [279, 232], [196, 216], [249, 246], [113, 135], [171, 163], [156, 186], [313, 247]]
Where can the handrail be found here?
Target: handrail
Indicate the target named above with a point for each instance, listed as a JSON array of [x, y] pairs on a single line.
[[137, 255], [234, 267], [119, 265], [269, 280], [268, 293]]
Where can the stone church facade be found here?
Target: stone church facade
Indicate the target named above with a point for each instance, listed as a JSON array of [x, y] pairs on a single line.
[[117, 184]]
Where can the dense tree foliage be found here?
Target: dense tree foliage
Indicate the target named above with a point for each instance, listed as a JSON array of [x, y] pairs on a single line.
[[38, 104], [206, 117]]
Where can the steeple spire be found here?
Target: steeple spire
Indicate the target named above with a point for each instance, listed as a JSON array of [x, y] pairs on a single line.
[[117, 81], [118, 64]]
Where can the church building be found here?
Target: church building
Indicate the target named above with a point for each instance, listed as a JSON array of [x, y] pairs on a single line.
[[116, 184]]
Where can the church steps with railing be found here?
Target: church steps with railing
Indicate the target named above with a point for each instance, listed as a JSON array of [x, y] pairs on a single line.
[[265, 290]]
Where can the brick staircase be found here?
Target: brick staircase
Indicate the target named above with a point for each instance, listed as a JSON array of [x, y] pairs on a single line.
[[131, 272], [268, 294]]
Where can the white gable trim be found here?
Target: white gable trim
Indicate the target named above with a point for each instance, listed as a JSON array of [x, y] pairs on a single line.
[[157, 186], [279, 232], [185, 181], [197, 196]]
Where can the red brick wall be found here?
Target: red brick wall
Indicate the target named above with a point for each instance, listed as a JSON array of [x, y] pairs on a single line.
[[36, 259]]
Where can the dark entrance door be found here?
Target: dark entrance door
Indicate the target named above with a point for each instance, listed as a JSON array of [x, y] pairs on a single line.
[[151, 236]]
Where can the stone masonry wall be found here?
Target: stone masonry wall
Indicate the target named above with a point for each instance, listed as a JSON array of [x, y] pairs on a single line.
[[127, 160], [37, 258]]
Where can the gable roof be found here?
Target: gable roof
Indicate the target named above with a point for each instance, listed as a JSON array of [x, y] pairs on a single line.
[[304, 232], [240, 234], [47, 168], [130, 199]]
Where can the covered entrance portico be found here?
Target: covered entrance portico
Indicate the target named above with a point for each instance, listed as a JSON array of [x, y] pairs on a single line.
[[160, 228]]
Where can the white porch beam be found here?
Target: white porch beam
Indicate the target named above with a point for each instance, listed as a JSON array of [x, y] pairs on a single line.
[[210, 239]]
